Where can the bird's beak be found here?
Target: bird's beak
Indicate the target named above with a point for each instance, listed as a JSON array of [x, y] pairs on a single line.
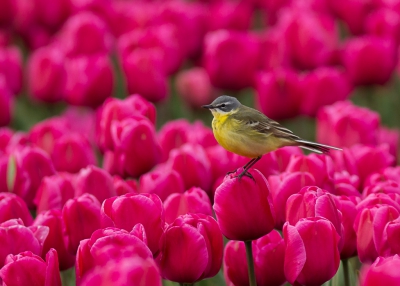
[[209, 106]]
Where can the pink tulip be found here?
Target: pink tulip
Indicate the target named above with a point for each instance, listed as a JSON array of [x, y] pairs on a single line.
[[53, 14], [332, 83], [98, 72], [230, 16], [346, 184], [275, 50], [362, 53], [55, 239], [5, 136], [194, 200], [268, 252], [109, 244], [386, 174], [13, 207], [136, 149], [128, 210], [81, 217], [282, 187], [17, 238], [53, 192], [26, 268], [94, 181], [278, 93], [386, 187], [163, 183], [131, 270], [11, 68], [85, 34], [123, 187], [191, 162], [370, 226], [194, 86], [117, 110], [45, 133], [197, 234], [384, 271], [47, 74], [220, 47], [7, 12], [384, 23], [6, 103], [244, 217], [379, 199], [305, 242], [390, 137]]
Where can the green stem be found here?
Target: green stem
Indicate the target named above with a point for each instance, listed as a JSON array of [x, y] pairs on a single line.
[[346, 272], [186, 284], [250, 263]]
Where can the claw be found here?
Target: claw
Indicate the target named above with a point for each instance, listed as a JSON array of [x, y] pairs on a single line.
[[245, 173], [231, 172]]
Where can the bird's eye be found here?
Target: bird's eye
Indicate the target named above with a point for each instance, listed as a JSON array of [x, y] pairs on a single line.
[[223, 105]]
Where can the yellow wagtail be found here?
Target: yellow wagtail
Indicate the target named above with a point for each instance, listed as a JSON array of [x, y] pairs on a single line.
[[248, 132]]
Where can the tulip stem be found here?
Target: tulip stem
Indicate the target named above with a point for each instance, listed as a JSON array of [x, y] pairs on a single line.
[[250, 263], [346, 272], [186, 284]]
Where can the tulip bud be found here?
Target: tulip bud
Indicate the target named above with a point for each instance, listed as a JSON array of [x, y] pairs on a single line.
[[197, 234], [98, 72], [194, 200], [17, 238], [81, 217], [163, 183], [136, 149], [109, 244], [26, 268], [268, 252], [382, 272], [55, 239], [13, 207], [47, 74], [344, 124], [304, 243], [282, 187], [220, 47], [360, 54], [244, 217], [128, 210], [278, 93]]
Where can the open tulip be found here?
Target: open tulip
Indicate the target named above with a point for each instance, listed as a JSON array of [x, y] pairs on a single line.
[[197, 234], [243, 207]]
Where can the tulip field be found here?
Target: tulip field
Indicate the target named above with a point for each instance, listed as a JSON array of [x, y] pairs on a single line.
[[110, 173]]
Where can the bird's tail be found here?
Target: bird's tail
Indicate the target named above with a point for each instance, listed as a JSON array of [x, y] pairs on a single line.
[[316, 147]]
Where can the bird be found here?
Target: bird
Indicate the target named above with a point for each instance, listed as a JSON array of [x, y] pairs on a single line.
[[248, 132]]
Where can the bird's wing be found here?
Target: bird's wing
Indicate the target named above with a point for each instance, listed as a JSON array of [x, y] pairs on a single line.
[[254, 120]]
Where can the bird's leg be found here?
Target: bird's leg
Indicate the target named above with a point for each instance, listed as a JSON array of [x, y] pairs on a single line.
[[244, 167], [247, 167]]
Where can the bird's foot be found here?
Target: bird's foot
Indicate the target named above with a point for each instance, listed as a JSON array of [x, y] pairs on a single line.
[[231, 172], [245, 173]]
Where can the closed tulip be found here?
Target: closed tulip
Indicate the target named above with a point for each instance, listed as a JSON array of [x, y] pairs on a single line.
[[275, 50], [17, 238], [230, 16], [269, 254], [223, 45], [46, 74], [384, 271], [194, 200], [45, 133], [81, 217], [105, 245], [128, 210], [162, 182], [198, 235], [244, 217], [305, 242], [55, 239], [282, 187], [13, 207], [131, 270], [360, 54], [27, 268]]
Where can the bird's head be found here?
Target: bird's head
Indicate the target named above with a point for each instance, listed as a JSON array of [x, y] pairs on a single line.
[[223, 105]]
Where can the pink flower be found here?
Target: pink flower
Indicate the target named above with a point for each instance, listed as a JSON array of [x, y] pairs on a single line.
[[220, 48], [194, 200], [230, 16], [26, 268], [13, 207], [45, 133], [55, 239], [17, 238], [384, 23], [11, 68], [383, 271], [244, 217], [6, 103], [197, 234], [128, 210], [362, 53], [268, 252], [305, 242], [81, 217], [274, 49]]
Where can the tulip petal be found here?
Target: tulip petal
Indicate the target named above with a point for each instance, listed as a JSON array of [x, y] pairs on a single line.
[[295, 255]]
